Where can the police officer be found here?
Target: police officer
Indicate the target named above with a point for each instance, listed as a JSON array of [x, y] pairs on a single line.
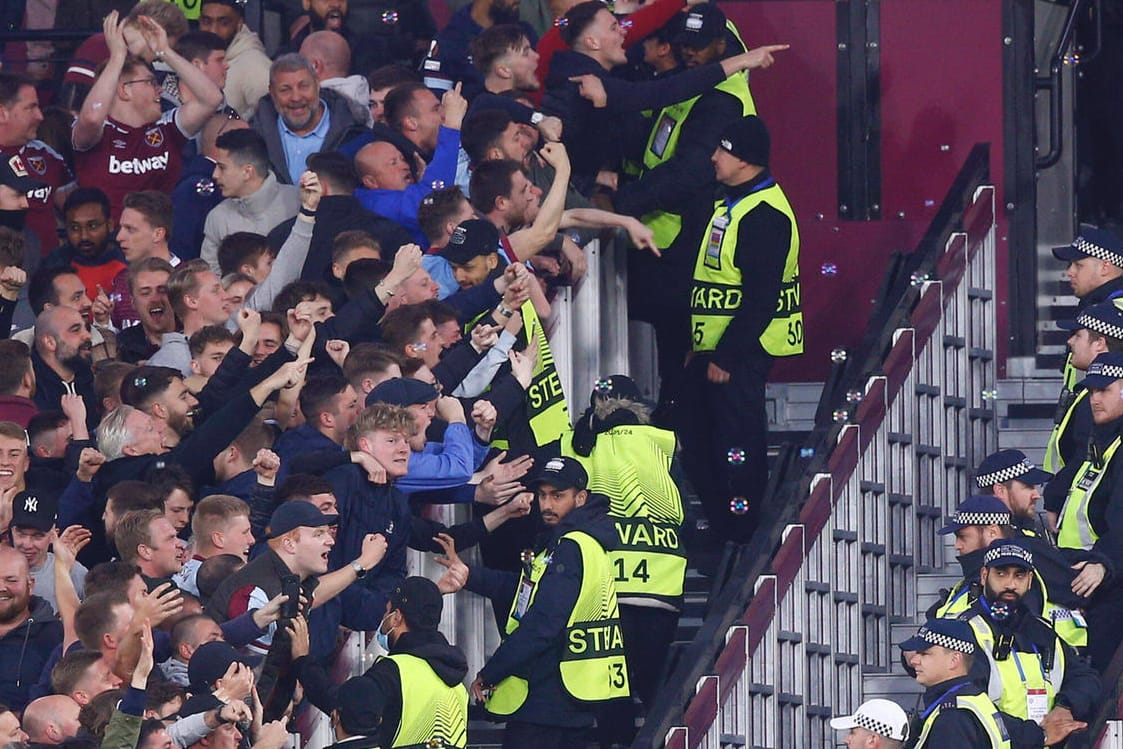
[[1095, 272], [956, 711], [744, 311], [563, 652], [1097, 329], [1013, 479], [1031, 672], [629, 460], [1092, 516], [977, 522]]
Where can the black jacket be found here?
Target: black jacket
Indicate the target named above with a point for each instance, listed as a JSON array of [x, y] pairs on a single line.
[[336, 214], [592, 136], [384, 680], [343, 126], [24, 652], [534, 650], [960, 728], [49, 389], [688, 175]]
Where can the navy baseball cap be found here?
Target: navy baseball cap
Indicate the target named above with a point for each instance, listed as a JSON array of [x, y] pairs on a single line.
[[402, 391], [1093, 242], [1105, 318], [358, 713], [977, 510], [1007, 552], [420, 602], [14, 174], [211, 660], [1104, 370], [470, 239], [561, 473], [292, 515], [952, 634], [34, 510], [699, 26], [1007, 465]]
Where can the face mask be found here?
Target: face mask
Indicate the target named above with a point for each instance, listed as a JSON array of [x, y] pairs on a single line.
[[383, 638]]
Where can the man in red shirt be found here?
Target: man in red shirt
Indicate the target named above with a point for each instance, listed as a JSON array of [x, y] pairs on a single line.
[[19, 120], [121, 141]]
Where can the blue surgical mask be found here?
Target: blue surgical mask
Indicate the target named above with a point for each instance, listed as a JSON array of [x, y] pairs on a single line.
[[383, 638]]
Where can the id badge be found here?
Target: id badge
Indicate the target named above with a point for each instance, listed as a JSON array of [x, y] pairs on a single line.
[[1037, 704], [1078, 617], [523, 601], [662, 135], [713, 247]]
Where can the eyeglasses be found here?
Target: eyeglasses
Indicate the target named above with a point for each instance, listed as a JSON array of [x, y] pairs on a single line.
[[150, 81], [90, 226]]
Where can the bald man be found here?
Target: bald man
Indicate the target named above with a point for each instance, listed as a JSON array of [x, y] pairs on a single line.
[[29, 630], [51, 719], [381, 166], [330, 56], [61, 358]]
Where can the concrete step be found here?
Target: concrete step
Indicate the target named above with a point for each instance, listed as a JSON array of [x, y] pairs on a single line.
[[900, 688]]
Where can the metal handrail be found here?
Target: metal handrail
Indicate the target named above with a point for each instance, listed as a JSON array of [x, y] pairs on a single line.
[[800, 483], [1053, 82]]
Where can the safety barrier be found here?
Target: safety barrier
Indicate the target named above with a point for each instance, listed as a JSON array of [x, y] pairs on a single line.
[[589, 336], [845, 571]]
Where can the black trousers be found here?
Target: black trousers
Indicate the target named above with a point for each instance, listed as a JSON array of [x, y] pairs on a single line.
[[714, 419], [648, 634], [535, 736]]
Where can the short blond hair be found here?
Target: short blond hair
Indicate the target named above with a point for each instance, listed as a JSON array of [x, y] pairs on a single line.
[[380, 417]]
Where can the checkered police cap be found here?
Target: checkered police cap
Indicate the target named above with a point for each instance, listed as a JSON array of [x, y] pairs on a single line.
[[1112, 371], [981, 518], [1108, 326], [1092, 249], [945, 641], [1002, 475], [1006, 553]]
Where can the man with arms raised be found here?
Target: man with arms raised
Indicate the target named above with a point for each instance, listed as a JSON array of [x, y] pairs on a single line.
[[124, 106]]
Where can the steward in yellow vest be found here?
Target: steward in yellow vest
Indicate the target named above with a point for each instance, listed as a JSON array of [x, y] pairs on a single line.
[[415, 696], [563, 651], [1029, 671], [676, 174], [629, 461], [956, 710], [1092, 516], [1010, 477], [745, 310], [1097, 329]]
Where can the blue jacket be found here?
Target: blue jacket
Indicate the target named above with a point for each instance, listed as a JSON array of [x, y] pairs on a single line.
[[24, 652], [369, 508], [401, 205], [444, 465], [304, 439], [194, 196], [534, 650]]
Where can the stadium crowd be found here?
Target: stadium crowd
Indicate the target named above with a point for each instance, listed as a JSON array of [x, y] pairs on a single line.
[[263, 309]]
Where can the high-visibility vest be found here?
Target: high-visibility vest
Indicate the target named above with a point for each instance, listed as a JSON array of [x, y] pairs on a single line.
[[431, 710], [1076, 531], [978, 705], [592, 666], [1067, 626], [545, 399], [662, 144], [716, 293], [1054, 461], [631, 466], [1012, 678]]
